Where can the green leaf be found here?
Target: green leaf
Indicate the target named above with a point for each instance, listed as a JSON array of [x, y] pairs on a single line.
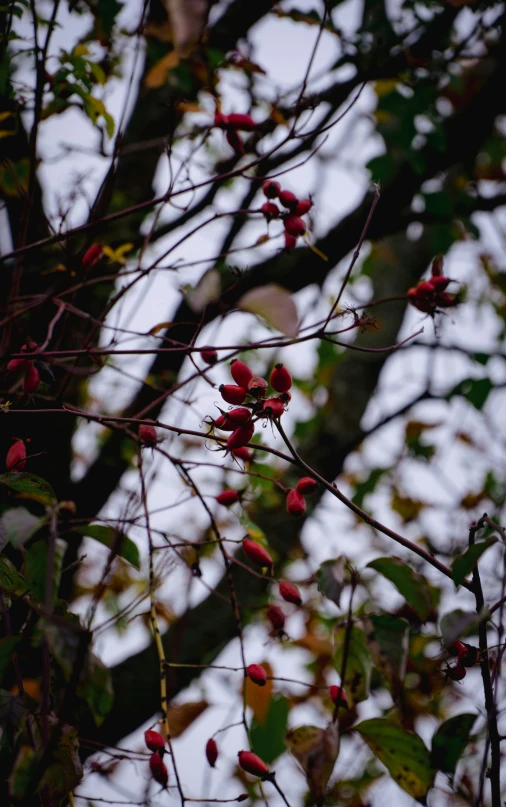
[[35, 561], [413, 587], [450, 741], [459, 623], [387, 639], [253, 530], [114, 540], [331, 578], [10, 581], [18, 525], [7, 648], [267, 738], [29, 486], [357, 677], [465, 563], [402, 752], [475, 390]]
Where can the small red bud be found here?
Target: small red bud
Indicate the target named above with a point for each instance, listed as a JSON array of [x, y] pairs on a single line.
[[295, 503], [241, 373], [257, 386], [256, 553], [154, 741], [306, 485], [233, 394], [257, 674], [158, 769], [16, 456], [290, 592], [227, 497], [32, 380], [338, 696], [211, 752], [288, 199], [303, 207], [148, 435], [240, 436], [276, 617], [250, 763], [209, 355], [271, 189], [92, 256], [280, 379]]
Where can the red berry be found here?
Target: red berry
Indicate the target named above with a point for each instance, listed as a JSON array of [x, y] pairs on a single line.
[[444, 300], [243, 454], [303, 207], [424, 289], [244, 122], [241, 373], [154, 741], [158, 769], [227, 497], [233, 394], [224, 424], [92, 256], [271, 189], [250, 763], [209, 355], [148, 435], [306, 485], [280, 379], [270, 210], [256, 553], [239, 416], [295, 503], [288, 199], [220, 120], [439, 283], [257, 386], [240, 436], [456, 673], [290, 592], [338, 696], [32, 380], [458, 648], [17, 365], [235, 141], [294, 225], [273, 407], [211, 752], [16, 457], [257, 674], [290, 241], [276, 617], [29, 347]]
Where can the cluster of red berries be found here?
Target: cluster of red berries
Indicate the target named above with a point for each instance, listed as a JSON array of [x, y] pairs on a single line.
[[232, 125], [27, 368], [295, 501], [295, 208], [429, 295], [241, 421], [467, 656], [157, 766], [15, 459]]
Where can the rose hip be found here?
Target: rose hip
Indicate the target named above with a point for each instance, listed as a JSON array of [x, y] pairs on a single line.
[[16, 456], [338, 696], [256, 553], [276, 617], [270, 210], [257, 386], [211, 752], [294, 225], [250, 763], [233, 394], [240, 436], [32, 380], [306, 485], [290, 592], [241, 373], [148, 435], [159, 770], [280, 378], [154, 741], [288, 199], [295, 503], [257, 674], [271, 189], [209, 355], [228, 497]]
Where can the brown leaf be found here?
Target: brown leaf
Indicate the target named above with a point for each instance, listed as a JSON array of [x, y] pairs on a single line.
[[182, 716], [188, 19]]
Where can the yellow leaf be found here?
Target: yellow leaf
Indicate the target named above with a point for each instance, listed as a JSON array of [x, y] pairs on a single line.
[[259, 698], [80, 50], [157, 76], [117, 255]]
